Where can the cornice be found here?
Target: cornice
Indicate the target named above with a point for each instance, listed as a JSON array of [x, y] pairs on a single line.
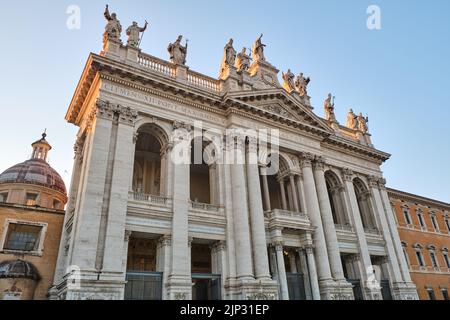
[[402, 195]]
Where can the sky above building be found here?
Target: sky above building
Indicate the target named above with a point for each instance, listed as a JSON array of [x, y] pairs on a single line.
[[398, 75]]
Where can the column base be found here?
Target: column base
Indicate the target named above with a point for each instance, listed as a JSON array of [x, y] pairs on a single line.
[[179, 287], [89, 285], [251, 289], [372, 292], [335, 290], [404, 291]]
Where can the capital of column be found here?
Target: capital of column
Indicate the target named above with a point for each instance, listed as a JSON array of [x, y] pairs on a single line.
[[319, 163], [219, 246], [373, 181], [347, 174], [179, 125], [106, 110], [306, 159], [165, 240], [278, 245], [382, 183], [127, 235]]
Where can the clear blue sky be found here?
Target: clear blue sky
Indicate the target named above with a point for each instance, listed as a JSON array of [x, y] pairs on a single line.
[[398, 75]]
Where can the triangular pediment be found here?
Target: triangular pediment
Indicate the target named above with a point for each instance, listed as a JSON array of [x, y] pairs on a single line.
[[280, 103]]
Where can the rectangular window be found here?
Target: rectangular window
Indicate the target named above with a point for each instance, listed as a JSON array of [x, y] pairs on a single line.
[[433, 259], [22, 237], [31, 199], [56, 204], [445, 294], [420, 258], [3, 197], [406, 215], [431, 294]]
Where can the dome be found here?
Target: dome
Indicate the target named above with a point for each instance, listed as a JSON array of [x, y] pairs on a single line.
[[34, 171], [18, 269]]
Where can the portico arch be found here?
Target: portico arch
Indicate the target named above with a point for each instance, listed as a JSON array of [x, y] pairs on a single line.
[[148, 172], [336, 196], [365, 209]]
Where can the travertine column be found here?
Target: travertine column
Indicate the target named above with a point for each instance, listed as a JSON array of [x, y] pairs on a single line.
[[314, 282], [126, 241], [403, 264], [283, 194], [293, 262], [313, 210], [164, 260], [261, 261], [301, 193], [387, 233], [244, 266], [328, 222], [282, 279], [265, 189], [294, 193], [366, 268], [179, 282]]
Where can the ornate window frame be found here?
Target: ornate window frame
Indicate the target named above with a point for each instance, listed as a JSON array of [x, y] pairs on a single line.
[[445, 255], [407, 215], [433, 257], [40, 248], [421, 219], [419, 256], [434, 221]]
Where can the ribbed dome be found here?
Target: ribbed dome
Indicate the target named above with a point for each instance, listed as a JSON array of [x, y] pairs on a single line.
[[18, 269], [34, 171]]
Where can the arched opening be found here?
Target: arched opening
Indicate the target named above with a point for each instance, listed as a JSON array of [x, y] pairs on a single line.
[[282, 188], [148, 173], [203, 172], [365, 209], [335, 194]]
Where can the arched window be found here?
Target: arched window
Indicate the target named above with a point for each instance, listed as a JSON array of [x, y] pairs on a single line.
[[335, 194], [365, 208]]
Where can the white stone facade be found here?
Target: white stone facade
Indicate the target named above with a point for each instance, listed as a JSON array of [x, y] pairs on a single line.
[[325, 212]]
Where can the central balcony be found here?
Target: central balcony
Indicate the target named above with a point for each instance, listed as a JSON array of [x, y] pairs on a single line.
[[287, 219], [149, 202]]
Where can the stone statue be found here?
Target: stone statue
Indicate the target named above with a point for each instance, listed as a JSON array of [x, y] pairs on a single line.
[[177, 51], [362, 123], [301, 83], [288, 79], [229, 57], [133, 34], [242, 61], [352, 123], [113, 28], [258, 50], [329, 108]]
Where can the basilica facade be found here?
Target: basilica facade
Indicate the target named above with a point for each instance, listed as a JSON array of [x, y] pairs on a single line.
[[191, 187]]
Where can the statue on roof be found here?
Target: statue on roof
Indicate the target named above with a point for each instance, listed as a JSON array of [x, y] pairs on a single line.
[[242, 61], [258, 50], [329, 108], [363, 123], [229, 57], [301, 84], [288, 80], [133, 32], [177, 51], [352, 122], [113, 28]]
